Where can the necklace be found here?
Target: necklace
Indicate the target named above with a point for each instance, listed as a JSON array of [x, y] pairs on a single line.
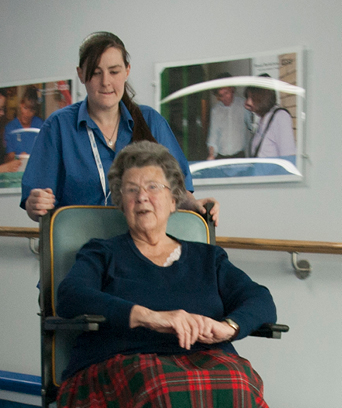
[[110, 139]]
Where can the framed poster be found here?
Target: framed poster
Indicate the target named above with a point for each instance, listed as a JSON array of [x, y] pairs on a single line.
[[23, 109], [239, 119]]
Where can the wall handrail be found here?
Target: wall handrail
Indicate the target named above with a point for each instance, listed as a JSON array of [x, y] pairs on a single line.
[[281, 245], [20, 232]]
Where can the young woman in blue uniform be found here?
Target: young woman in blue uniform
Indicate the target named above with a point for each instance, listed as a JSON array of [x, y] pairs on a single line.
[[77, 144]]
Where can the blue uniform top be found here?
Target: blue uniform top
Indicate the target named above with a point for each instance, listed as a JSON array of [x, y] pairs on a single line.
[[62, 158], [110, 276], [19, 142]]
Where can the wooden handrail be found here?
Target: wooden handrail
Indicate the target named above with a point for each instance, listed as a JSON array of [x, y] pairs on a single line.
[[20, 232], [282, 245]]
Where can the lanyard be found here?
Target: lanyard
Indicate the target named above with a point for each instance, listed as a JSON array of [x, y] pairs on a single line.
[[98, 163]]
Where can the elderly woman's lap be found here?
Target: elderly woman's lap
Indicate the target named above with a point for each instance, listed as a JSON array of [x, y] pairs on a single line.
[[203, 379]]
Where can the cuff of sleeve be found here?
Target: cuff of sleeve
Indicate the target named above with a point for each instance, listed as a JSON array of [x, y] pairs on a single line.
[[119, 314]]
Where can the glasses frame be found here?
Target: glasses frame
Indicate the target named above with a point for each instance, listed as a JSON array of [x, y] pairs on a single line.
[[160, 187]]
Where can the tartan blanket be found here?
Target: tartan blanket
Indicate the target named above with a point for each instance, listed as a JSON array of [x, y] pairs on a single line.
[[205, 379]]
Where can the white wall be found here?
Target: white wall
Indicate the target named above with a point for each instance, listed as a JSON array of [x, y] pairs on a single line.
[[40, 39]]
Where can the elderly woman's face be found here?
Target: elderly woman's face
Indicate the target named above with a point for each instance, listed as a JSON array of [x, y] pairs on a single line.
[[146, 199]]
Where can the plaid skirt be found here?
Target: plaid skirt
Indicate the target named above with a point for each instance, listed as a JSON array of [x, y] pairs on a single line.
[[205, 379]]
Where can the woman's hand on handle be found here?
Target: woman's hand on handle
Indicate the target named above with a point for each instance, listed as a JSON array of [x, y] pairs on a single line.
[[198, 205], [214, 212], [39, 202]]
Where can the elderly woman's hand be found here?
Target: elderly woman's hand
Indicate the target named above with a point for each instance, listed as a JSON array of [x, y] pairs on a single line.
[[220, 331], [39, 202], [187, 327]]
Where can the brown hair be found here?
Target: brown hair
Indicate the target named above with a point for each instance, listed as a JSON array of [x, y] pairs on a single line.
[[143, 154], [215, 91], [90, 52], [264, 99], [31, 97]]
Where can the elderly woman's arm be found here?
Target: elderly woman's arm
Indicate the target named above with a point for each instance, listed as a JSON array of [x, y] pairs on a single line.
[[188, 327], [84, 291], [81, 291], [245, 302]]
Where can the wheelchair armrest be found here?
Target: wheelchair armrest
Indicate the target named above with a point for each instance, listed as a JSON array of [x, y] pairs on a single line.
[[271, 331], [79, 323]]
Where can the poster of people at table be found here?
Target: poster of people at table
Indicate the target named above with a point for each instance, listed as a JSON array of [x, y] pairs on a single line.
[[23, 110], [238, 120]]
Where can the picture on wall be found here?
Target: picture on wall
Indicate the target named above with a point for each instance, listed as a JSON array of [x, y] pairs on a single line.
[[237, 120], [23, 110]]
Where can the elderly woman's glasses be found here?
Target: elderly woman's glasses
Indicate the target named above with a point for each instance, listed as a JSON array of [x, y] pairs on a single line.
[[151, 188]]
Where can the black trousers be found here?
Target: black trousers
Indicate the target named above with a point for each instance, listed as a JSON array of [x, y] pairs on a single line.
[[238, 155]]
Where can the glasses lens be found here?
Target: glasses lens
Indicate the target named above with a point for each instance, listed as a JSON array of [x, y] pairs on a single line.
[[153, 187]]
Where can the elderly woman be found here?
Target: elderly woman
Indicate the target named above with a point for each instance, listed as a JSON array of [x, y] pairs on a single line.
[[173, 307]]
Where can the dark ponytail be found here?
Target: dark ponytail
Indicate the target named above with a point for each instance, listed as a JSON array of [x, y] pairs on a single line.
[[140, 130]]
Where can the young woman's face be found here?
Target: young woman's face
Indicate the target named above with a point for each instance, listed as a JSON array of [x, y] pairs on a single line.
[[107, 85]]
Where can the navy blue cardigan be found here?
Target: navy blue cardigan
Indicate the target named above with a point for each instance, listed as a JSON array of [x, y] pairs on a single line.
[[111, 276]]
